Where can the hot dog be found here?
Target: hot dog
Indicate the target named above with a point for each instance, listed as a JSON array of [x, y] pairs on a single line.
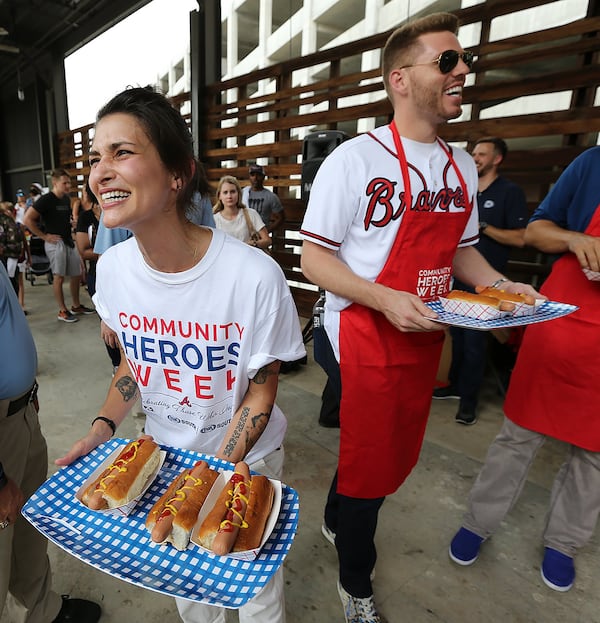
[[124, 479], [503, 295], [480, 299], [238, 518], [172, 518], [234, 518], [257, 514]]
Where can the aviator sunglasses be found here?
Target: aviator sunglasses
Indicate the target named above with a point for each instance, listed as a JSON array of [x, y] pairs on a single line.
[[448, 60]]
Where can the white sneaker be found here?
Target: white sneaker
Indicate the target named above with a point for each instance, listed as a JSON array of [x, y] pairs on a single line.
[[358, 610], [328, 534]]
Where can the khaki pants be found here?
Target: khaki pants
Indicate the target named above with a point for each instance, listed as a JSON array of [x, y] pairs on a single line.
[[25, 576], [575, 497]]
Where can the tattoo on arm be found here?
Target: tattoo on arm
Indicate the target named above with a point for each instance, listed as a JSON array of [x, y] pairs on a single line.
[[259, 422], [128, 388], [237, 432], [260, 378]]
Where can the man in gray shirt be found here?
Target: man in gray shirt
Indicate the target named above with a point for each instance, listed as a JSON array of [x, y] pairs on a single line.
[[261, 199]]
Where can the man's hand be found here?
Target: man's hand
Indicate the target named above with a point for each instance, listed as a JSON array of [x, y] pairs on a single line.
[[587, 250], [407, 312], [11, 502], [522, 288]]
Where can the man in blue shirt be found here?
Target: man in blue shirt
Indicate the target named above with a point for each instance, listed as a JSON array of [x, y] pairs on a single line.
[[503, 216], [24, 587]]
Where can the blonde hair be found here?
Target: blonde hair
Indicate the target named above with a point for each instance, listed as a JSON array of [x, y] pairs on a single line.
[[228, 179], [403, 44]]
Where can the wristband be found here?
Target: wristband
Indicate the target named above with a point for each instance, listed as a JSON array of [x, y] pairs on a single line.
[[3, 478], [110, 423], [499, 282]]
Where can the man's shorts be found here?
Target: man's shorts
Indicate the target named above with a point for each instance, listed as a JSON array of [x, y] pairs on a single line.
[[64, 260]]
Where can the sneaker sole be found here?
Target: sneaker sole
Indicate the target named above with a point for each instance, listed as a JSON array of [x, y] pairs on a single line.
[[84, 313], [328, 534], [459, 561], [466, 422], [555, 587], [67, 320], [446, 397]]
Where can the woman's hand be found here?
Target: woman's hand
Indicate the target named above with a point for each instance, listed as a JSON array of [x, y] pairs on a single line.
[[108, 335], [86, 444]]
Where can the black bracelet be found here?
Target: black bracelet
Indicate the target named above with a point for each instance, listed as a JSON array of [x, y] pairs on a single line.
[[3, 478], [113, 426]]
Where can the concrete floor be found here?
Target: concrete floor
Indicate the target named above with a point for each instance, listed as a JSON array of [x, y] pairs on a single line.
[[415, 579]]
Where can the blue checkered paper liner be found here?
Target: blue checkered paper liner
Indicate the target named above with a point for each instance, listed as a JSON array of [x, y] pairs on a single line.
[[548, 310], [121, 546]]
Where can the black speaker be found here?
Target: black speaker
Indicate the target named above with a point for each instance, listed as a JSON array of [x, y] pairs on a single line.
[[316, 147]]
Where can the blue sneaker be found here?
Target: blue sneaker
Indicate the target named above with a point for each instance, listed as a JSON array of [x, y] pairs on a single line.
[[464, 547], [558, 570]]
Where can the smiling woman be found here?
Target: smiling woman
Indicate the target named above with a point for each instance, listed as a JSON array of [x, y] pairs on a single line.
[[223, 312]]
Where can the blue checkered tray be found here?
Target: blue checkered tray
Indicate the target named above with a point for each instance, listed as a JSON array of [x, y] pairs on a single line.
[[121, 546], [548, 310]]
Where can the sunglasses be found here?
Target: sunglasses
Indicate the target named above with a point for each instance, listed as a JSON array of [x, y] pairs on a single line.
[[448, 60]]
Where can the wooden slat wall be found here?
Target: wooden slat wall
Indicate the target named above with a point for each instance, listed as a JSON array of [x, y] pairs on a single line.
[[238, 127]]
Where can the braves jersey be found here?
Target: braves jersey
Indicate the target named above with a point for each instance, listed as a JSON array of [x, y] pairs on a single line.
[[358, 198]]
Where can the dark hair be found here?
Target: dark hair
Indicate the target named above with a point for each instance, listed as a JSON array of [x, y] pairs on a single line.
[[167, 130], [401, 45], [58, 173], [499, 145], [90, 194]]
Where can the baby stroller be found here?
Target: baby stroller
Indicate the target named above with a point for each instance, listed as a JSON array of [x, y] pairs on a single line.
[[40, 265]]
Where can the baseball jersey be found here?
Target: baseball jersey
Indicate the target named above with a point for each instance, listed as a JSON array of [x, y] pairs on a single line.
[[357, 200]]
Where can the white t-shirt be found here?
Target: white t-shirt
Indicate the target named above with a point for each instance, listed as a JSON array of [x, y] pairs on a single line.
[[354, 200], [238, 228], [194, 338]]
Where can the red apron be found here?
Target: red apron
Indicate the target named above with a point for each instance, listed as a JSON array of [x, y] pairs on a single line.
[[554, 387], [388, 376]]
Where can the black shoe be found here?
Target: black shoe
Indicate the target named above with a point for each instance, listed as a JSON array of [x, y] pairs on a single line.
[[466, 417], [329, 422], [78, 611], [442, 393]]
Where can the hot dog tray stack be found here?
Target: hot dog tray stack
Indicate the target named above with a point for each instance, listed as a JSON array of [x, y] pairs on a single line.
[[121, 545]]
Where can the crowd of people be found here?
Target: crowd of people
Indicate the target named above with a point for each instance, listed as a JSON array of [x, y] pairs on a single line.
[[413, 205]]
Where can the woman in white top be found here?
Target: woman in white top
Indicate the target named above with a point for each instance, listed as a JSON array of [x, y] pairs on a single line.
[[234, 218], [195, 339]]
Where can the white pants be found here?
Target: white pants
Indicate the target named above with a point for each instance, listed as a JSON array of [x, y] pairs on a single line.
[[269, 605]]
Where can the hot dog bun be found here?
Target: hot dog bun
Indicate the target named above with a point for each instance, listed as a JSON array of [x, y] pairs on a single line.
[[479, 299], [234, 519], [124, 479], [503, 295], [258, 509], [257, 513], [173, 516]]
